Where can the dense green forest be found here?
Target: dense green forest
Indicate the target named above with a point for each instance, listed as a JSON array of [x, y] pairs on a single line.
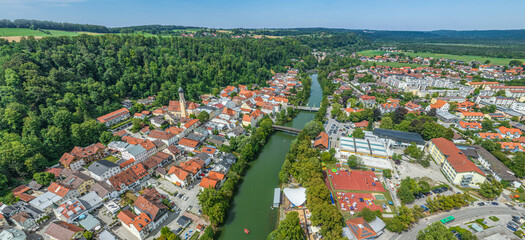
[[52, 88]]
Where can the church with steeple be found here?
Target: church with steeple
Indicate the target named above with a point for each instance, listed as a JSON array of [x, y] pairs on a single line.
[[182, 108]]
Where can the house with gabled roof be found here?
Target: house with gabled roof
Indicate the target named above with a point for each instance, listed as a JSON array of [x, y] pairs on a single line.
[[60, 230], [472, 126], [322, 141], [179, 176], [80, 156], [150, 203], [138, 225]]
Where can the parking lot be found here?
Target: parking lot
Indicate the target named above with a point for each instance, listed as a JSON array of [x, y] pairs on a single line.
[[186, 201], [335, 130]]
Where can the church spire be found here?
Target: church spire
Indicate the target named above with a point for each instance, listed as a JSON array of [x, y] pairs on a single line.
[[182, 103]]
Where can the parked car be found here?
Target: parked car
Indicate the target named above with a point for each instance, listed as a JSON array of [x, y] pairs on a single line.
[[494, 203], [481, 204]]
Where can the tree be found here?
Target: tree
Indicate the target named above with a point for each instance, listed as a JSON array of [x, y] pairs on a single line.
[[88, 235], [358, 133], [424, 186], [312, 129], [387, 173], [289, 228], [106, 137], [517, 63], [368, 214], [386, 123], [208, 234], [413, 151], [405, 194], [437, 231], [203, 116], [491, 189], [137, 125], [354, 161], [44, 178]]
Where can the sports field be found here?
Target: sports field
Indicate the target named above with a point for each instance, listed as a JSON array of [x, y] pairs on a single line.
[[466, 58]]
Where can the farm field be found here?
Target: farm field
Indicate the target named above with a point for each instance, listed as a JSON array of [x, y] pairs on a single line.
[[15, 34], [466, 58]]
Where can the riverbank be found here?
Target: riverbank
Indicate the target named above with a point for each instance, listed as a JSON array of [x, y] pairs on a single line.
[[251, 205]]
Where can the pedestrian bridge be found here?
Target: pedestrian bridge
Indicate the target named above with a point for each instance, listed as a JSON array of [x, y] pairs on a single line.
[[304, 108], [286, 129]]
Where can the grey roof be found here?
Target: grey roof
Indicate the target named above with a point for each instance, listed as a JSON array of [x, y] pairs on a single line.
[[89, 223], [183, 221], [12, 234], [106, 235], [377, 224], [101, 188], [100, 167], [118, 144], [34, 185], [90, 200], [496, 165], [202, 156], [196, 137], [45, 200], [446, 115], [229, 157], [158, 143], [217, 138], [135, 150], [399, 136]]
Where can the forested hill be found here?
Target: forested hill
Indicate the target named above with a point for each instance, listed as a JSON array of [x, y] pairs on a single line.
[[52, 88], [446, 35]]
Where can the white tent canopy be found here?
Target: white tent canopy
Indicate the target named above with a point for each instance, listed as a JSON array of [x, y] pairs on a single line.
[[296, 195]]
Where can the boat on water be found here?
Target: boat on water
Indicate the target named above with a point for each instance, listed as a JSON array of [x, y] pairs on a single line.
[[246, 231]]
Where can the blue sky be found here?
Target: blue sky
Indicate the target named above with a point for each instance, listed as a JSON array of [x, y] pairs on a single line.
[[352, 14]]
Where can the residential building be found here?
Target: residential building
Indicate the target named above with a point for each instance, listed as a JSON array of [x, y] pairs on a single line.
[[150, 203], [60, 230], [456, 167], [213, 180], [166, 137], [322, 141], [388, 107], [114, 117], [128, 178], [12, 234], [510, 133], [70, 210], [80, 156], [471, 116], [103, 169], [138, 225], [490, 136], [368, 101], [412, 106], [497, 169], [439, 105], [189, 145], [511, 146], [24, 221], [471, 126]]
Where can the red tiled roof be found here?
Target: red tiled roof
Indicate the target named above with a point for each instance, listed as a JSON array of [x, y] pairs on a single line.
[[455, 157], [188, 142], [112, 115], [360, 228], [58, 189], [190, 123], [321, 140]]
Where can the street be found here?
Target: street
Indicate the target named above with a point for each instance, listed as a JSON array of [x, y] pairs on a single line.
[[461, 215]]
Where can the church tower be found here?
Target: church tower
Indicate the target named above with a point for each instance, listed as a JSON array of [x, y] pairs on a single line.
[[182, 103]]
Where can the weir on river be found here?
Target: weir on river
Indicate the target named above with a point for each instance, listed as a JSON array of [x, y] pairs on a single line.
[[251, 205]]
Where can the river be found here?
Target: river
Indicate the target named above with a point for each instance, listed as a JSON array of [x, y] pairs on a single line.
[[251, 206]]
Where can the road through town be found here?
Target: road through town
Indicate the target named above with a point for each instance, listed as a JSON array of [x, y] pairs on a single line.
[[461, 215]]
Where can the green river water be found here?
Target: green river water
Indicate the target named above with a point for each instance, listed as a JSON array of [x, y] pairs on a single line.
[[251, 206]]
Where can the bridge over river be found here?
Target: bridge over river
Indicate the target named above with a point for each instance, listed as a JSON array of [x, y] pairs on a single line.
[[291, 130]]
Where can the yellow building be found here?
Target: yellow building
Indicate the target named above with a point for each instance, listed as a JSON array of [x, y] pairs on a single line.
[[456, 167]]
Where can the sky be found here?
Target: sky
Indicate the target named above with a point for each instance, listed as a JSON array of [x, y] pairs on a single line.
[[349, 14]]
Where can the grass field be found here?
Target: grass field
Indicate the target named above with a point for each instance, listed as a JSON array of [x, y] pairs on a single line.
[[11, 32], [466, 58]]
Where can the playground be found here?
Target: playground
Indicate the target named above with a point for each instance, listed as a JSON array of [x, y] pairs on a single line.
[[357, 201]]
